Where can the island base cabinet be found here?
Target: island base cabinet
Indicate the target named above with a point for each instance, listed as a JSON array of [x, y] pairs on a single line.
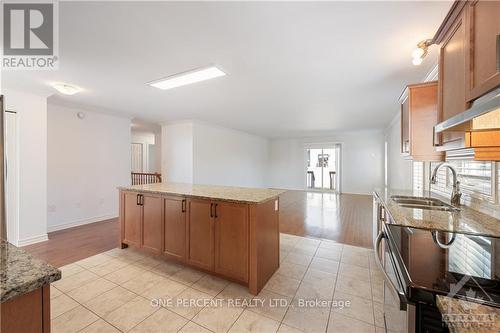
[[200, 233], [175, 228], [131, 219], [27, 313], [152, 224], [231, 240]]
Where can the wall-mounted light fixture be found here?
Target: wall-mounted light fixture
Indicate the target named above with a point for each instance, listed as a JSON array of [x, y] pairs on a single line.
[[420, 52]]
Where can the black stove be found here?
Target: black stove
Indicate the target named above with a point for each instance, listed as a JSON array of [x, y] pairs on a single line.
[[453, 264]]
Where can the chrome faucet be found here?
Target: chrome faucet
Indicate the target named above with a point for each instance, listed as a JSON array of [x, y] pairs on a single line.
[[455, 194]]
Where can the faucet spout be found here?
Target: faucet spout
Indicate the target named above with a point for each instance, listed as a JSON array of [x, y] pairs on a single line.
[[455, 194]]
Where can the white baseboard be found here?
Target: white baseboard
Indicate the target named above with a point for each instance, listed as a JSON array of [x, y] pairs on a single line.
[[32, 240], [77, 223]]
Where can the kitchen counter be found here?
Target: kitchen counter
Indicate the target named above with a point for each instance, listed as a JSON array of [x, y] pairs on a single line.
[[466, 220], [21, 274], [228, 193], [464, 317]]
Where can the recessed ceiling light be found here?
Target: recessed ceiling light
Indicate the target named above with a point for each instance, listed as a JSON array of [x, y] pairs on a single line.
[[66, 89], [189, 77]]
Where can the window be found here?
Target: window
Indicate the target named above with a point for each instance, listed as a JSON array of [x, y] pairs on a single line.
[[476, 179]]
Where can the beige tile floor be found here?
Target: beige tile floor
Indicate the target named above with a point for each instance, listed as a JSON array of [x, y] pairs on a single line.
[[118, 291]]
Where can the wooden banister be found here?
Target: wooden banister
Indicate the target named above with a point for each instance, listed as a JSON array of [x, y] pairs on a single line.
[[141, 178]]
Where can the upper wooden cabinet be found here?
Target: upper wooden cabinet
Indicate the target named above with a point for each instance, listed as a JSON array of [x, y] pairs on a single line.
[[483, 48], [469, 47], [419, 114]]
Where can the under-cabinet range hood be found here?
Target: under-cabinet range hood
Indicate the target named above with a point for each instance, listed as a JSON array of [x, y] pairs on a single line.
[[483, 115]]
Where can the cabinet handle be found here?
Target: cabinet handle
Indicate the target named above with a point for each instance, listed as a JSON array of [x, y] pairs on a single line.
[[141, 200], [183, 206], [138, 200], [216, 210], [211, 210]]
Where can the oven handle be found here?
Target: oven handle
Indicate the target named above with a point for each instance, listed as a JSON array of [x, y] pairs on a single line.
[[401, 296], [436, 240]]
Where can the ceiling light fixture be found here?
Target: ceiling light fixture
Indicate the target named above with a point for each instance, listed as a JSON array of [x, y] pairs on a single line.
[[66, 89], [420, 52], [188, 77]]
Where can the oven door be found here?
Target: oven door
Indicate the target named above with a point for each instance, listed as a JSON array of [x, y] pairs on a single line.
[[399, 315]]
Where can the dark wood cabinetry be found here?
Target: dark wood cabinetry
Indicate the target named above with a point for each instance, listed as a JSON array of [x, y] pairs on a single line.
[[200, 233], [231, 240], [175, 227], [419, 114]]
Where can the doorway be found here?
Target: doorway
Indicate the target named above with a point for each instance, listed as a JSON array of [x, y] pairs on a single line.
[[323, 168]]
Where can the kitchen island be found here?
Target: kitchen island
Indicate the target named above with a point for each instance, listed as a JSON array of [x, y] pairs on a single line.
[[231, 232]]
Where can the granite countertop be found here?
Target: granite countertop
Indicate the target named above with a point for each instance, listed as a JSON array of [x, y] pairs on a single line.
[[466, 220], [467, 317], [20, 273], [229, 193]]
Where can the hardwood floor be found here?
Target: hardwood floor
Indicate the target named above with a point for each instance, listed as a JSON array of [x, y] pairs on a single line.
[[70, 245], [345, 218]]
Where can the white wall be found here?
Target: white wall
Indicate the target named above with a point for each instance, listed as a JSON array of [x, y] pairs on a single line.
[[32, 165], [398, 169], [177, 152], [87, 159], [362, 161], [228, 157], [200, 153]]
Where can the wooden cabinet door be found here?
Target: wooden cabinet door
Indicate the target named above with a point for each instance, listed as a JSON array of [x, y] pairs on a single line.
[[231, 240], [483, 39], [132, 219], [200, 233], [451, 93], [152, 225], [175, 227], [405, 127]]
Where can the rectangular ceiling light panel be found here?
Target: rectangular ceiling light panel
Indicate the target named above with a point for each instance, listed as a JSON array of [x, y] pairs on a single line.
[[185, 78]]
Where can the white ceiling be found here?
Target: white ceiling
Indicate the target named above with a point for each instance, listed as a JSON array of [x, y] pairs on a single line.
[[293, 68]]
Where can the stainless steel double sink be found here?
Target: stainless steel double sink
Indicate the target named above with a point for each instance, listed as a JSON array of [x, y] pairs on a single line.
[[423, 203]]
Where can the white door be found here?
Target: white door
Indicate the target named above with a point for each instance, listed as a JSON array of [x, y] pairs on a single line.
[[12, 183], [323, 168], [137, 159]]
